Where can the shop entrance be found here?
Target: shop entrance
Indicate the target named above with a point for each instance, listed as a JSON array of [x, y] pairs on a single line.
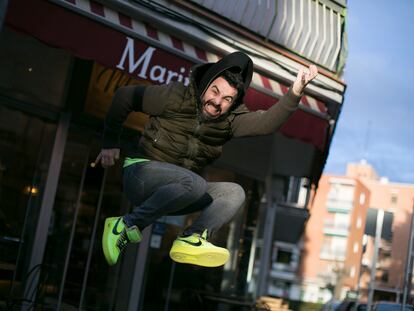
[[74, 273], [25, 150]]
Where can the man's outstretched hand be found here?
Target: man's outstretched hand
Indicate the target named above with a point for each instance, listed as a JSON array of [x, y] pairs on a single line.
[[107, 157], [303, 78]]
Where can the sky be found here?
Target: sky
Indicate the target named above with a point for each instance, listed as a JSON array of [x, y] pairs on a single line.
[[377, 118]]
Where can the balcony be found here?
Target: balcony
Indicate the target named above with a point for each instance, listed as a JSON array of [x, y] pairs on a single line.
[[290, 222], [330, 228], [333, 256], [312, 29], [283, 275], [335, 232], [339, 206]]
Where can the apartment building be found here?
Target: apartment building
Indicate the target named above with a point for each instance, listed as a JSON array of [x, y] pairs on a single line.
[[337, 257], [333, 238], [396, 199]]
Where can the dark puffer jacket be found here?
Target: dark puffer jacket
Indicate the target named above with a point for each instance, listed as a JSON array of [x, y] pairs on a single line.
[[179, 136]]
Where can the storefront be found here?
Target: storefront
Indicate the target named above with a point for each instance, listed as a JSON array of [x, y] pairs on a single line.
[[61, 62]]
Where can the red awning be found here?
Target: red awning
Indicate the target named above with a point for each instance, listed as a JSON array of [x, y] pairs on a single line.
[[91, 31]]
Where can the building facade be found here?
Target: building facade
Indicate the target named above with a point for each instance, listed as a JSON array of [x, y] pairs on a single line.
[[332, 253], [396, 199], [61, 62], [339, 248]]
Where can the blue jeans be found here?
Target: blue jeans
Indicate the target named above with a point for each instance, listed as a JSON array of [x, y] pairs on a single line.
[[156, 189]]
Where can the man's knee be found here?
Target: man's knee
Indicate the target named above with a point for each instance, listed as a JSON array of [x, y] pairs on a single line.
[[194, 185], [237, 195]]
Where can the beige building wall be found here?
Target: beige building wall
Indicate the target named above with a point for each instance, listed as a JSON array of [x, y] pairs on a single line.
[[334, 228], [356, 233]]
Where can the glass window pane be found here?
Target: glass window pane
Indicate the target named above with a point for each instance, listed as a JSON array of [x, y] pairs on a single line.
[[25, 148], [26, 75]]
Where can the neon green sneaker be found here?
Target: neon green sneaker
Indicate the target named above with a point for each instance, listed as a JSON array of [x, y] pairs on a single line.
[[196, 250], [115, 238]]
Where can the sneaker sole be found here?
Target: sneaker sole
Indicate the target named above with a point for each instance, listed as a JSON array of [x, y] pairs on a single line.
[[107, 253], [207, 259]]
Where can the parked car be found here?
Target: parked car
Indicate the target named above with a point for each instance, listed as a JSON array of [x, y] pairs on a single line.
[[331, 305], [347, 305], [360, 306], [390, 306]]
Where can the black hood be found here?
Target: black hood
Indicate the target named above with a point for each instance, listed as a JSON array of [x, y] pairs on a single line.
[[238, 62]]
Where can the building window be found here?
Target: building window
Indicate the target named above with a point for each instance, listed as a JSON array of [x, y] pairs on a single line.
[[340, 198], [359, 223], [333, 248], [384, 276], [352, 272], [394, 198], [362, 198], [342, 192], [356, 247], [284, 257], [342, 221]]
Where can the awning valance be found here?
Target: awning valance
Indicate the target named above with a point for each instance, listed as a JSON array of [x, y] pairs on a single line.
[[90, 30]]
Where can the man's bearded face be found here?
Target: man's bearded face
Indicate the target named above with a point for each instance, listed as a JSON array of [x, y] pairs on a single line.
[[218, 99]]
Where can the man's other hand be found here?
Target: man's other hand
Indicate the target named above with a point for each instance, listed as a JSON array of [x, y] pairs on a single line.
[[107, 157], [303, 78]]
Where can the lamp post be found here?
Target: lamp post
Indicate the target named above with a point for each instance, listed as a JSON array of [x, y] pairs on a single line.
[[380, 220], [409, 264]]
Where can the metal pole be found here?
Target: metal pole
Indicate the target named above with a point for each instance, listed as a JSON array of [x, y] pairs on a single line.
[[138, 280], [409, 263], [360, 268], [72, 233], [267, 240], [380, 219], [91, 246], [170, 283]]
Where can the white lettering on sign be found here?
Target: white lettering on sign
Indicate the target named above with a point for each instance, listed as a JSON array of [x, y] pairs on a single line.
[[157, 73], [145, 58]]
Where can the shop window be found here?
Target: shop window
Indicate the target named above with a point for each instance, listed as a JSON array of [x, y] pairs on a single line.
[[76, 209], [103, 84], [32, 71], [25, 148]]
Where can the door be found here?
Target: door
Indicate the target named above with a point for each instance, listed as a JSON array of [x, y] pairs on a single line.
[[75, 273]]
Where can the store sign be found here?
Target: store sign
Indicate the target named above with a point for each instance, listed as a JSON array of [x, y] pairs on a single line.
[[87, 39], [142, 68], [135, 66]]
